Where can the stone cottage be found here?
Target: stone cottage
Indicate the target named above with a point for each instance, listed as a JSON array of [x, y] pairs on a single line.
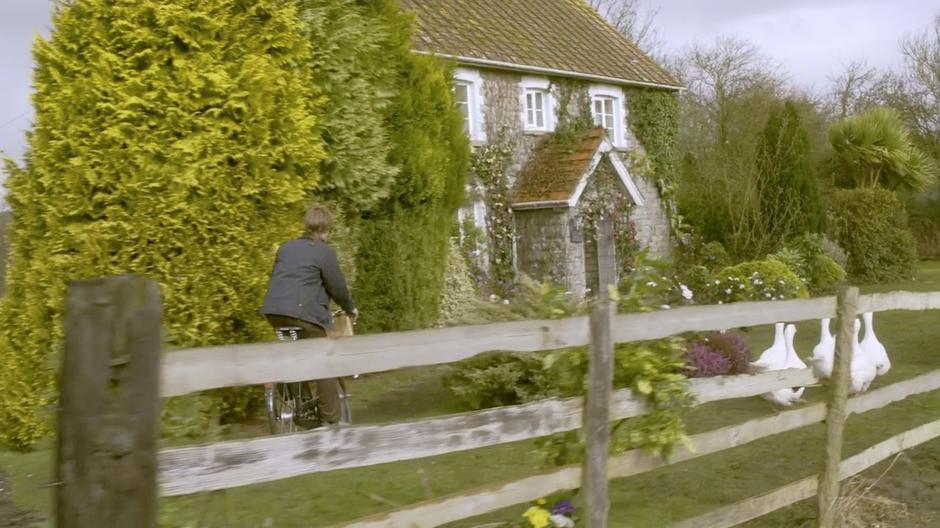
[[526, 68]]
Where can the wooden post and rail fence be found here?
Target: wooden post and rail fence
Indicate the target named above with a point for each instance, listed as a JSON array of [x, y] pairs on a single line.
[[110, 471]]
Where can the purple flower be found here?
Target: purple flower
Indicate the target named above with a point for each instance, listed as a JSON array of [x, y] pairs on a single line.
[[703, 362], [563, 507], [734, 347]]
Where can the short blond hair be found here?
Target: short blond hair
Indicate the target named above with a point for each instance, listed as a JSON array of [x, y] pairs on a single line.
[[317, 221]]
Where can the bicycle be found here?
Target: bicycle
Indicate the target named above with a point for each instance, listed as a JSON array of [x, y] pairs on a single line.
[[292, 407]]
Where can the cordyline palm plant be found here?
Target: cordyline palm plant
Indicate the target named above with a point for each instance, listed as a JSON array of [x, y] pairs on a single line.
[[874, 149]]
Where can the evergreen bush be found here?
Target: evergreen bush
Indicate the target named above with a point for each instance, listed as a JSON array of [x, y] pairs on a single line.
[[459, 295], [759, 280], [404, 239], [809, 256], [790, 203], [871, 225], [173, 139]]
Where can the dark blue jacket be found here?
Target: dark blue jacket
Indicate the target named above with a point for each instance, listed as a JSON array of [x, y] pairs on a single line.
[[306, 276]]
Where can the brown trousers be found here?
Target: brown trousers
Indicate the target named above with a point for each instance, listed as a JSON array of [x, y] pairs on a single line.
[[328, 389]]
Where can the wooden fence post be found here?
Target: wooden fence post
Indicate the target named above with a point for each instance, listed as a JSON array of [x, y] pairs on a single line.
[[600, 374], [109, 405], [828, 494]]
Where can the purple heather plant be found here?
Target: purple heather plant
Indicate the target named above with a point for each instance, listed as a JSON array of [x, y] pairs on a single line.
[[703, 362], [734, 347]]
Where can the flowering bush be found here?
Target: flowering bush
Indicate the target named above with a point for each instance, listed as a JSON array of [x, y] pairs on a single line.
[[703, 362], [718, 354], [759, 280], [653, 285]]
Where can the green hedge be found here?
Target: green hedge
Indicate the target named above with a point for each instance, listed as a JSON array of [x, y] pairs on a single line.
[[404, 240], [178, 140], [871, 225]]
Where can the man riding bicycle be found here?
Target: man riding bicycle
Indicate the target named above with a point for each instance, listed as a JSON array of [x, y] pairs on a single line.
[[306, 276]]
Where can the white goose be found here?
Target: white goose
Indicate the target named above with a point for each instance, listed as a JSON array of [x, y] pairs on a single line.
[[875, 350], [824, 352], [787, 397], [775, 355], [863, 369]]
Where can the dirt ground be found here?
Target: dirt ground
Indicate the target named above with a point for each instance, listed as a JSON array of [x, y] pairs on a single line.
[[10, 515], [907, 495]]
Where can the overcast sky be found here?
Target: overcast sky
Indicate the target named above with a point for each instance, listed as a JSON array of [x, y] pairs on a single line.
[[810, 39]]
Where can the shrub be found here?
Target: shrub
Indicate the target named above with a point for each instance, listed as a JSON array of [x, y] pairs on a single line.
[[793, 259], [718, 354], [871, 224], [809, 257], [499, 378], [703, 362], [693, 250], [458, 296], [653, 285], [925, 225], [826, 275], [178, 140], [759, 280], [403, 242], [787, 187]]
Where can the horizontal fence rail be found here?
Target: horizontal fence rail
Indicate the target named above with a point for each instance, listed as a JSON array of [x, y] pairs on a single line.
[[491, 498], [198, 369], [240, 462]]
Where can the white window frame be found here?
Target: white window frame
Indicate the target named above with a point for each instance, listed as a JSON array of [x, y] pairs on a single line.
[[474, 81], [543, 86], [598, 91]]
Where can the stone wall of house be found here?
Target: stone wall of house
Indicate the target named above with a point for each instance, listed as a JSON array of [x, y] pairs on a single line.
[[650, 220], [544, 249]]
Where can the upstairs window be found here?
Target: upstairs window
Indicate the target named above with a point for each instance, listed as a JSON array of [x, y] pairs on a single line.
[[607, 111], [538, 108], [604, 114], [535, 109], [468, 97], [462, 100]]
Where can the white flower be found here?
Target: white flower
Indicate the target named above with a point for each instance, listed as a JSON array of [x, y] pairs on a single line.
[[768, 295], [728, 291], [493, 297], [505, 301], [651, 284], [560, 521], [665, 307], [719, 302], [686, 292]]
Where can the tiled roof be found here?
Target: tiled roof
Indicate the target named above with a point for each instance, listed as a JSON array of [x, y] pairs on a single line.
[[561, 35], [553, 172]]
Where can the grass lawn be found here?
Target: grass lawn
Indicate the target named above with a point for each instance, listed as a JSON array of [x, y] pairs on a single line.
[[651, 500]]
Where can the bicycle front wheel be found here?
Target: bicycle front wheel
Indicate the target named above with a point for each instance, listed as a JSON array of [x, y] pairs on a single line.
[[283, 403]]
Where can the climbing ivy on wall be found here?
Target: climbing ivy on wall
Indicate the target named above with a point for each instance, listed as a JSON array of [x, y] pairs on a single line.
[[654, 120], [489, 167], [570, 127]]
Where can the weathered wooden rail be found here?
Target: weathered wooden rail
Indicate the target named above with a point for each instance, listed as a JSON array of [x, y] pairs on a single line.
[[235, 463]]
